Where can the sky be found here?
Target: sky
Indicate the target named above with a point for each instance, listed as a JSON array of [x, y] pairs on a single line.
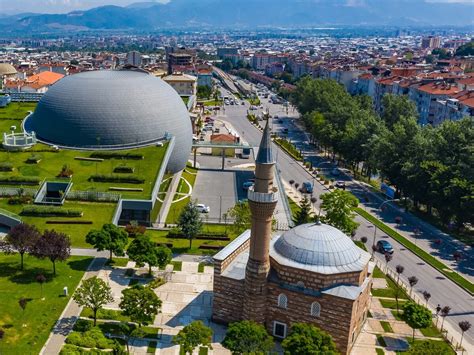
[[61, 6]]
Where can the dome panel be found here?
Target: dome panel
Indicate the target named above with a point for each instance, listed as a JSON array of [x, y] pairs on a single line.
[[112, 110]]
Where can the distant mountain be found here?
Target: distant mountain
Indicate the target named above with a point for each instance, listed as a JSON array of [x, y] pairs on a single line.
[[249, 14]]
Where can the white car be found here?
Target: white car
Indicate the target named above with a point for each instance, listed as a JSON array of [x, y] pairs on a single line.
[[203, 208]]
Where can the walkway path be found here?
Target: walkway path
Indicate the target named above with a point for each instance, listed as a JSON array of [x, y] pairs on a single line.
[[70, 314], [161, 219]]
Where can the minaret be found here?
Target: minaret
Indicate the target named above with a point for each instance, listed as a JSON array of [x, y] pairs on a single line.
[[262, 199]]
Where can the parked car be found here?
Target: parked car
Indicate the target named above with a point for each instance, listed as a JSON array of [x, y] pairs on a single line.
[[335, 172], [203, 208], [247, 185], [341, 184], [384, 246], [307, 187]]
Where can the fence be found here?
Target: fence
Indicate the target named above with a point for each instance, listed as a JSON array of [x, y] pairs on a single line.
[[94, 196], [452, 336], [16, 191]]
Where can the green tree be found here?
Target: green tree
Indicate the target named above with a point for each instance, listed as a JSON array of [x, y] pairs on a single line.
[[396, 106], [193, 335], [128, 331], [189, 222], [241, 215], [140, 303], [303, 215], [247, 337], [110, 237], [338, 206], [204, 92], [93, 293], [143, 250], [306, 339], [416, 316], [465, 50], [22, 238]]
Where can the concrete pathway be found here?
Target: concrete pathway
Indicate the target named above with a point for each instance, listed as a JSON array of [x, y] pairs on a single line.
[[165, 207], [70, 314]]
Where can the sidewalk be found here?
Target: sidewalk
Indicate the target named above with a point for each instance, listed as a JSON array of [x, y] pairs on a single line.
[[161, 219], [69, 316]]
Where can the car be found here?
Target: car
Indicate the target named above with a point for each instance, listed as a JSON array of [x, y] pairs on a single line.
[[340, 184], [247, 185], [335, 172], [384, 247], [307, 187], [203, 208]]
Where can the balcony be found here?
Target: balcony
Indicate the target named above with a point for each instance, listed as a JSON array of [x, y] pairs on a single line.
[[261, 196]]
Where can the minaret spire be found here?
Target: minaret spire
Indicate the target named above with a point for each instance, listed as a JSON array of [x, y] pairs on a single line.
[[262, 201]]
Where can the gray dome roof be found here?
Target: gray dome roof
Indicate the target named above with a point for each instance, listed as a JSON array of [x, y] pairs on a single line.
[[112, 110], [320, 248]]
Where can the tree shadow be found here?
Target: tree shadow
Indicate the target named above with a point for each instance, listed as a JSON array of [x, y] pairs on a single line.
[[79, 264], [28, 275]]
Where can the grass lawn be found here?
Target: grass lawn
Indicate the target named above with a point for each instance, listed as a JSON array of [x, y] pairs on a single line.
[[386, 327], [441, 267], [189, 174], [379, 351], [390, 290], [442, 347], [118, 262], [360, 244], [177, 265], [294, 207], [152, 346], [98, 213], [431, 332], [399, 315], [52, 162], [381, 340], [108, 314], [392, 304], [212, 103], [40, 315], [181, 245]]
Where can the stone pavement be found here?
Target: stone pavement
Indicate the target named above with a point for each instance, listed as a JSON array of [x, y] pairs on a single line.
[[70, 314]]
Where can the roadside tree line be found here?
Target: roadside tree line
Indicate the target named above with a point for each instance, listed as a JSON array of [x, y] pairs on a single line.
[[432, 166]]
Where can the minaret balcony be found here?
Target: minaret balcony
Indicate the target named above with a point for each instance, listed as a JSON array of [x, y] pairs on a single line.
[[263, 197]]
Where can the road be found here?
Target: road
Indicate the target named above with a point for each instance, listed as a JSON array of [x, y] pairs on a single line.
[[443, 291]]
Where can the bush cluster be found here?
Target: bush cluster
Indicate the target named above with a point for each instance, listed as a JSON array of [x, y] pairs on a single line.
[[69, 349], [43, 211], [116, 155], [33, 159], [19, 180], [6, 166], [92, 338], [124, 169], [19, 200], [155, 283], [130, 179]]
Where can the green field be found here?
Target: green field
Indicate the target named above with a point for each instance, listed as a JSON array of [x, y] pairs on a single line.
[[98, 213], [26, 332]]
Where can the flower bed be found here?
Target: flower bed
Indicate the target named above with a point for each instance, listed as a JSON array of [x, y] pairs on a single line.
[[130, 179]]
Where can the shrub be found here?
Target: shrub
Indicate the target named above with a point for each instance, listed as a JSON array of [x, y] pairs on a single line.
[[155, 283], [19, 180], [42, 211], [130, 179], [33, 159], [133, 229], [129, 272], [124, 169], [19, 200], [92, 338], [82, 325], [65, 171], [6, 166], [117, 155]]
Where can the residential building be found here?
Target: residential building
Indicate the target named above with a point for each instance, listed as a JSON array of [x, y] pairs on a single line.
[[184, 84]]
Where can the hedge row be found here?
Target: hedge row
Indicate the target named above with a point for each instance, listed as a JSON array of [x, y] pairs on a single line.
[[68, 222], [6, 166], [19, 180], [43, 211], [116, 155], [117, 178], [124, 169]]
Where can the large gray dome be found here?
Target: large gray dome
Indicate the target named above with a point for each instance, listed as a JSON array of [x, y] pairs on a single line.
[[320, 248], [112, 110]]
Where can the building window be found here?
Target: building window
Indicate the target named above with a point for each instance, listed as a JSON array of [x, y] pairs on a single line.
[[279, 329], [315, 309], [282, 301]]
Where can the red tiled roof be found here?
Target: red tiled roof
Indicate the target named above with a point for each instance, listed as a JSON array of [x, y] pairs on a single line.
[[439, 89]]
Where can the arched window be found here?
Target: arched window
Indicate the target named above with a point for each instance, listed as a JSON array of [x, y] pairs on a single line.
[[315, 309], [282, 301]]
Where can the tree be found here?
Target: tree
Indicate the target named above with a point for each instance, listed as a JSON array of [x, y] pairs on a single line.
[[416, 316], [466, 49], [444, 313], [399, 269], [204, 92], [426, 296], [303, 215], [189, 222], [41, 279], [129, 331], [465, 326], [55, 246], [412, 280], [307, 339], [110, 237], [22, 238], [338, 206], [247, 337], [395, 107], [93, 293], [193, 335], [143, 250], [388, 258], [140, 303], [241, 215]]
